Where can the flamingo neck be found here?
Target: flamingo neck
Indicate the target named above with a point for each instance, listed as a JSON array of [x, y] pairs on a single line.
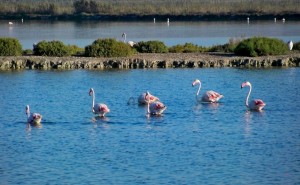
[[199, 89], [93, 100], [246, 102], [27, 112]]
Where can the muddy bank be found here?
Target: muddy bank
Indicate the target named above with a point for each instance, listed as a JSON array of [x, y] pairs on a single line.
[[170, 60]]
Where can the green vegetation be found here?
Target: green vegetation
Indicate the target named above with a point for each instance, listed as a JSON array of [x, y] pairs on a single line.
[[149, 7], [296, 46], [51, 48], [228, 47], [108, 48], [10, 47], [253, 47], [187, 48], [260, 46], [151, 47]]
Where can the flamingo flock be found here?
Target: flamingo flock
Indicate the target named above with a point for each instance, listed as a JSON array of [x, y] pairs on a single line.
[[154, 106]]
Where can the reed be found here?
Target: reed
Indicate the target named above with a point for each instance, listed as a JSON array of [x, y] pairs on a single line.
[[151, 7]]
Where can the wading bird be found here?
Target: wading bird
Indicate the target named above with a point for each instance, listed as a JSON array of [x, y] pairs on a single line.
[[290, 45], [147, 97], [99, 108], [33, 119], [256, 104], [209, 96], [155, 108]]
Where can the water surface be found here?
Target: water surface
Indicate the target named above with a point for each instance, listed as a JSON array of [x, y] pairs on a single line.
[[203, 33], [192, 143]]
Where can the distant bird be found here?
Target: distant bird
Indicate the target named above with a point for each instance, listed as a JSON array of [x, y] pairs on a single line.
[[209, 96], [290, 45], [124, 36], [283, 19], [146, 97], [131, 43], [34, 118], [256, 104], [99, 108], [10, 23], [155, 108]]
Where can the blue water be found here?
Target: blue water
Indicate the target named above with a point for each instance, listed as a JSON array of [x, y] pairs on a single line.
[[203, 33], [191, 143]]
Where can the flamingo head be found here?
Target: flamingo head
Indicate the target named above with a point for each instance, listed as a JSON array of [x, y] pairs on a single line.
[[27, 109], [195, 82], [91, 92], [245, 84]]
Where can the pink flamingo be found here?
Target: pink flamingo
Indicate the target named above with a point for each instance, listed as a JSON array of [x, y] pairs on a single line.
[[99, 108], [143, 98], [256, 104], [209, 96], [154, 108], [34, 118]]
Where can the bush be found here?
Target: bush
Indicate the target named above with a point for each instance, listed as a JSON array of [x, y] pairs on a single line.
[[10, 47], [261, 46], [108, 48], [27, 52], [51, 48], [151, 47], [227, 48], [75, 50], [296, 46], [186, 48]]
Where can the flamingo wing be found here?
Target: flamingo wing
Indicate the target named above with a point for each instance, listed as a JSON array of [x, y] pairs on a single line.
[[257, 104], [211, 96]]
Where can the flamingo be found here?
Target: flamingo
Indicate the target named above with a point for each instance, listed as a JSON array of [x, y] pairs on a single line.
[[100, 108], [131, 43], [34, 118], [154, 108], [256, 104], [209, 96], [290, 45], [147, 97]]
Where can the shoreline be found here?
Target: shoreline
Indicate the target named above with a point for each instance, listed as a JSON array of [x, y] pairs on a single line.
[[149, 60], [136, 17]]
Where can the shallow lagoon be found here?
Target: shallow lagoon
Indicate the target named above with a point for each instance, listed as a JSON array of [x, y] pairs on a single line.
[[203, 33], [190, 144]]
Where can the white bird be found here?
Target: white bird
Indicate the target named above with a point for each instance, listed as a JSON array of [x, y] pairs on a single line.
[[256, 104], [10, 23], [290, 45], [131, 43], [155, 108], [209, 96], [34, 118], [100, 108]]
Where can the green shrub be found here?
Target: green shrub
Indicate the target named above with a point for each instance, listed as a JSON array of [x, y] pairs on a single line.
[[10, 47], [261, 46], [151, 47], [108, 48], [51, 48], [296, 46], [75, 50], [186, 48], [228, 47], [27, 52]]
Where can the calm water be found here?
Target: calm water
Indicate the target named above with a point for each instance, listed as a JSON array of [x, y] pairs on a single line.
[[201, 33], [191, 144]]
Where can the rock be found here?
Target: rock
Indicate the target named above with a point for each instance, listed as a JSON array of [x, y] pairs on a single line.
[[169, 60]]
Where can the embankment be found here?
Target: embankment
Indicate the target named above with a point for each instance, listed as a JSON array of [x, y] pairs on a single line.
[[170, 60]]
